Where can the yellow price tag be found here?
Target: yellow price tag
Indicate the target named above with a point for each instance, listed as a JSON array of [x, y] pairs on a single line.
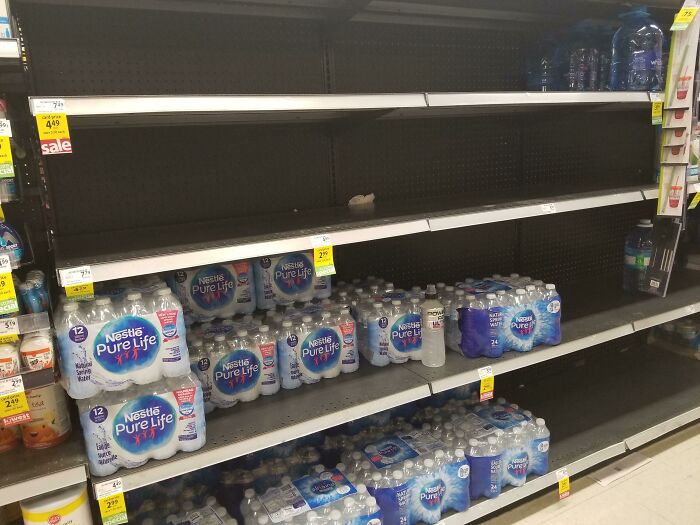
[[564, 484], [7, 169], [14, 408], [683, 18], [110, 497], [113, 509], [487, 383], [323, 255], [80, 291], [53, 133], [657, 113], [2, 214], [8, 297], [694, 203]]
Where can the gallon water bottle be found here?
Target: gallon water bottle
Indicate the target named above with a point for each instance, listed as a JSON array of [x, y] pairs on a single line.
[[637, 60], [638, 247], [433, 329]]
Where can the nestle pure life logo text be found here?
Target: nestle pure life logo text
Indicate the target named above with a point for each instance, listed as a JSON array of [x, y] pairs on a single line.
[[431, 494], [125, 344], [213, 287], [406, 333], [293, 273], [522, 325], [237, 372], [143, 424], [320, 350]]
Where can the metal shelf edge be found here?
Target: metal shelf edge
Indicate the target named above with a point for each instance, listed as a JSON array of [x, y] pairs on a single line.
[[519, 98], [161, 263], [650, 434], [41, 485], [543, 207], [671, 315]]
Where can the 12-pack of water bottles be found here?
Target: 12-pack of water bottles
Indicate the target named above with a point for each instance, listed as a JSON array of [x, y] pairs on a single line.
[[124, 356]]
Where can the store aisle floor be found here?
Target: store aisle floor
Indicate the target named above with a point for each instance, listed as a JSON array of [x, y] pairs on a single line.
[[663, 491]]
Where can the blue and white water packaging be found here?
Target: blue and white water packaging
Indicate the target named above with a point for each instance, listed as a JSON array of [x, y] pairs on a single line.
[[217, 290], [287, 342], [105, 347], [486, 460], [146, 422], [516, 458], [377, 350], [548, 324], [284, 279], [539, 449]]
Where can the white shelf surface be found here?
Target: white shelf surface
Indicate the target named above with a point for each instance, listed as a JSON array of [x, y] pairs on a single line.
[[9, 50], [162, 109]]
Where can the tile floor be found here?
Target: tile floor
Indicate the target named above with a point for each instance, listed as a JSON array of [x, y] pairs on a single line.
[[665, 491]]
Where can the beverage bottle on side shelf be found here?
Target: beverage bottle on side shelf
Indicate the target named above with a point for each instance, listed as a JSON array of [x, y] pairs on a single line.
[[378, 336], [199, 363], [550, 316], [638, 248], [453, 332], [349, 356], [486, 468], [433, 329], [539, 449], [522, 322], [515, 459]]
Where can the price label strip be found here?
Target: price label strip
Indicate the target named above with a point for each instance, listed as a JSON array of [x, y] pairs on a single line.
[[78, 282], [14, 408], [323, 255], [487, 383], [564, 484], [8, 296], [549, 208], [52, 125], [684, 18], [7, 169], [9, 330], [110, 497]]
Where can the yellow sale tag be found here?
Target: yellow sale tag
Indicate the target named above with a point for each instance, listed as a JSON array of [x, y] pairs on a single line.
[[14, 408], [2, 214], [53, 133], [323, 255], [8, 297], [657, 113], [7, 169], [487, 383], [683, 18], [694, 203], [564, 488], [80, 291], [113, 509], [110, 496]]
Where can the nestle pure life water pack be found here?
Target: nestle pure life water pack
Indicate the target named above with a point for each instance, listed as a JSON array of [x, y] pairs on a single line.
[[126, 429], [217, 290], [108, 344], [284, 279]]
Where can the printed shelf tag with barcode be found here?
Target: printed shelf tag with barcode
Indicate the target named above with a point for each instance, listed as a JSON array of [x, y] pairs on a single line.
[[563, 483], [9, 330], [14, 408], [684, 18], [110, 497], [487, 383], [52, 125], [323, 255], [77, 282], [7, 168]]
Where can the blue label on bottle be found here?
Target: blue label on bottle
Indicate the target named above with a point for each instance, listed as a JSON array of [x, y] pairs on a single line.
[[213, 287], [486, 476], [394, 503], [126, 344], [237, 372], [320, 350], [143, 424], [293, 273], [406, 333]]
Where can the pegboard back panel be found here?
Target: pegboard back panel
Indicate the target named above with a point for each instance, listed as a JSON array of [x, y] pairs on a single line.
[[176, 175], [588, 149], [104, 51], [419, 259], [579, 247], [428, 157], [395, 58]]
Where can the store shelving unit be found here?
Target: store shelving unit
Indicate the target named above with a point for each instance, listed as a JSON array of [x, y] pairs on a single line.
[[349, 123]]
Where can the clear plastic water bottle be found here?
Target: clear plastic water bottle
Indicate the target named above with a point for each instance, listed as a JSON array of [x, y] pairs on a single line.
[[637, 55], [516, 457], [433, 329], [453, 331], [541, 71], [539, 449], [267, 346], [135, 305], [378, 344], [102, 311], [638, 248], [551, 316], [287, 342], [349, 357]]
